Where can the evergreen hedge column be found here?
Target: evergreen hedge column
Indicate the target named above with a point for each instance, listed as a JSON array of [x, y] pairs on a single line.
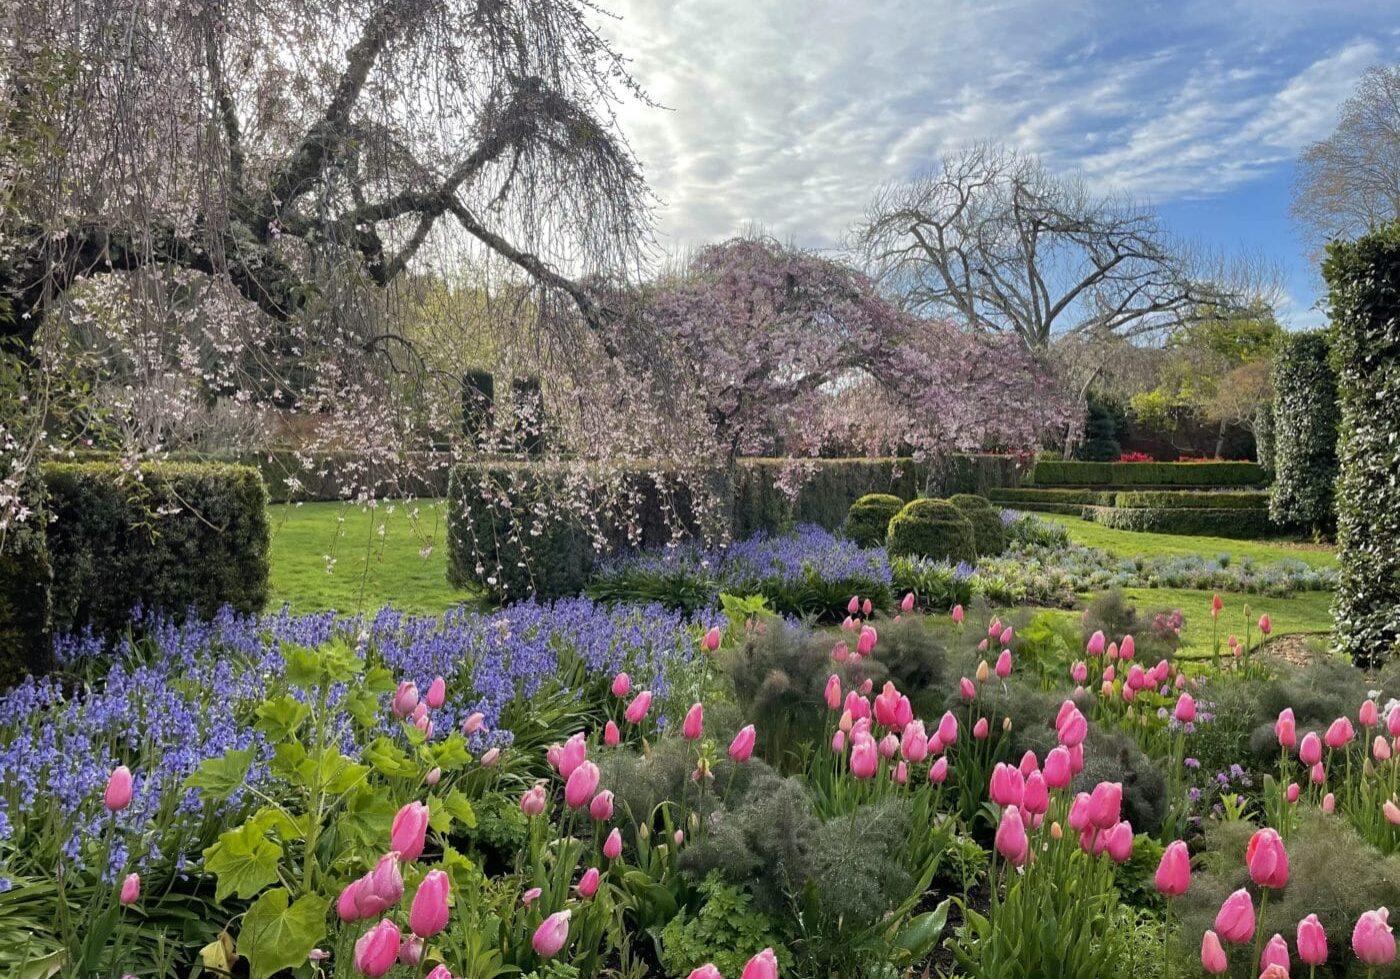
[[1364, 282], [1305, 433]]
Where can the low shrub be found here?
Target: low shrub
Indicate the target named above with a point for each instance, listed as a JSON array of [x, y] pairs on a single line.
[[1192, 500], [170, 537], [987, 529], [26, 580], [1050, 495], [930, 528], [1232, 523], [1061, 473], [869, 518]]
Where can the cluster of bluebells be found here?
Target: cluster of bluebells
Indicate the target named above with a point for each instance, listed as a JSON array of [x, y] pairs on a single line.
[[186, 692]]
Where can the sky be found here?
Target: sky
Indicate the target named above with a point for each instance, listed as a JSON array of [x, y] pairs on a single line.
[[788, 114]]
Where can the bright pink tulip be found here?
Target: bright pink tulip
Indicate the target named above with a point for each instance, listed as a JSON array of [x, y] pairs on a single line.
[[1319, 775], [764, 965], [1310, 751], [552, 935], [1391, 812], [741, 748], [958, 614], [1212, 955], [901, 773], [588, 883], [404, 701], [612, 846], [1329, 803], [1006, 635], [433, 777], [411, 951], [1285, 728], [531, 896], [907, 603], [1057, 768], [612, 737], [1267, 859], [866, 608], [1118, 841], [1096, 644], [532, 803], [621, 685], [409, 832], [1392, 721], [1185, 709], [840, 652], [1003, 667], [1372, 940], [473, 722], [1380, 748], [573, 754], [1106, 804], [1293, 792], [1076, 758], [117, 795], [865, 645], [378, 949], [131, 889], [1008, 785], [437, 693], [428, 914], [1072, 728], [853, 606], [1265, 626], [385, 883], [712, 639], [1036, 799], [838, 742], [346, 906], [1011, 840], [865, 757], [1275, 953], [1312, 941], [1079, 812], [947, 728], [1216, 606], [980, 730], [706, 971], [694, 724], [938, 771], [439, 972], [833, 692], [1174, 872], [1235, 919], [1079, 672], [1369, 715], [913, 744], [1339, 733], [889, 746], [601, 808], [1029, 763], [638, 708], [579, 789], [1274, 971], [1126, 648]]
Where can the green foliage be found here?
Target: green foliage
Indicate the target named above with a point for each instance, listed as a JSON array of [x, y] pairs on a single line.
[[868, 521], [1112, 614], [1105, 424], [1192, 500], [26, 580], [169, 536], [932, 529], [987, 529], [478, 404], [1265, 448], [1057, 473], [1243, 524], [1045, 495], [1364, 282], [1306, 418], [724, 931]]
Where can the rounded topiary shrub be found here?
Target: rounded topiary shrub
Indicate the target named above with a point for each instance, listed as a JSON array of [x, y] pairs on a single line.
[[988, 532], [933, 529], [868, 521]]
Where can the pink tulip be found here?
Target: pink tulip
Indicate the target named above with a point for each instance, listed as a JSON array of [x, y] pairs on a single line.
[[838, 742], [1329, 803], [840, 652], [888, 746], [1072, 727], [638, 708], [901, 773], [833, 692], [378, 949], [621, 685], [473, 723], [947, 728], [848, 624], [1235, 920], [428, 914], [382, 887], [1105, 804], [572, 755], [119, 789], [1267, 859], [1275, 954], [913, 745], [865, 645], [433, 777], [1392, 721], [1057, 768], [1029, 763], [865, 758], [404, 701], [1112, 651], [1079, 812], [1380, 748], [601, 808], [612, 737], [706, 971], [1312, 941], [1292, 792], [1008, 785], [1369, 714], [1286, 729], [938, 771], [907, 603], [1185, 709], [1174, 872], [1096, 643], [1036, 799], [1212, 955], [853, 606], [408, 834], [1265, 626], [1079, 672], [581, 785], [532, 803], [1310, 751], [1003, 667], [612, 846], [131, 889], [439, 972], [1127, 648], [1391, 812], [694, 724], [1076, 758], [741, 748], [552, 934], [1011, 840], [866, 608], [1216, 606], [437, 693], [346, 906], [588, 883], [958, 614], [980, 730], [411, 952], [531, 896], [1319, 775], [764, 965], [1339, 733], [712, 639], [1372, 940]]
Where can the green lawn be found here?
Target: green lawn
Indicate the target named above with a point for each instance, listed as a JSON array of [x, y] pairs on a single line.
[[1129, 543], [351, 559]]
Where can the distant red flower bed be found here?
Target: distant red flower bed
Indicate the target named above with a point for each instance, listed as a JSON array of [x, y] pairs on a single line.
[[1135, 457]]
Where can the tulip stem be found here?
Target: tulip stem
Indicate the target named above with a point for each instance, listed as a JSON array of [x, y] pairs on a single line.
[[1259, 925], [1166, 942]]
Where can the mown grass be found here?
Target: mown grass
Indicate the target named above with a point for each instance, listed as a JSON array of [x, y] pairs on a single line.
[[1129, 543], [354, 559]]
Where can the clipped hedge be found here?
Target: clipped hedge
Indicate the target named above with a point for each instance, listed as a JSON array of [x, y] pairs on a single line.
[[988, 531], [1306, 416], [1364, 282], [1062, 473], [868, 521], [1045, 496], [25, 600], [1192, 500], [1236, 524], [931, 528], [171, 536]]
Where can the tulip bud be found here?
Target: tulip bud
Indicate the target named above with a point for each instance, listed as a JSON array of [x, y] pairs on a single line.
[[588, 883], [428, 914], [552, 935], [131, 889], [119, 789], [408, 835], [612, 846], [377, 950]]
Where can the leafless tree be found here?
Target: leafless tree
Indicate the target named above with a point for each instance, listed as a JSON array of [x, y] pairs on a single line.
[[992, 238], [1349, 183]]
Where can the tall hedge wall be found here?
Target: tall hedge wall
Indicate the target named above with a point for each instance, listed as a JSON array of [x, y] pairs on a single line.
[[1057, 473], [1364, 282], [25, 603], [181, 536], [1306, 417]]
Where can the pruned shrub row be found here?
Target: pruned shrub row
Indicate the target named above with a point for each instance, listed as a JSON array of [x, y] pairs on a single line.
[[1060, 473], [1238, 524]]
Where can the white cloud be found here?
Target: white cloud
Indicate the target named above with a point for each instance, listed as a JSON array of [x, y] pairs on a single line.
[[788, 113]]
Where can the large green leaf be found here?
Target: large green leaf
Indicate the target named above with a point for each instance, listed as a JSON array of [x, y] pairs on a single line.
[[279, 933], [244, 860], [219, 778], [280, 718]]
